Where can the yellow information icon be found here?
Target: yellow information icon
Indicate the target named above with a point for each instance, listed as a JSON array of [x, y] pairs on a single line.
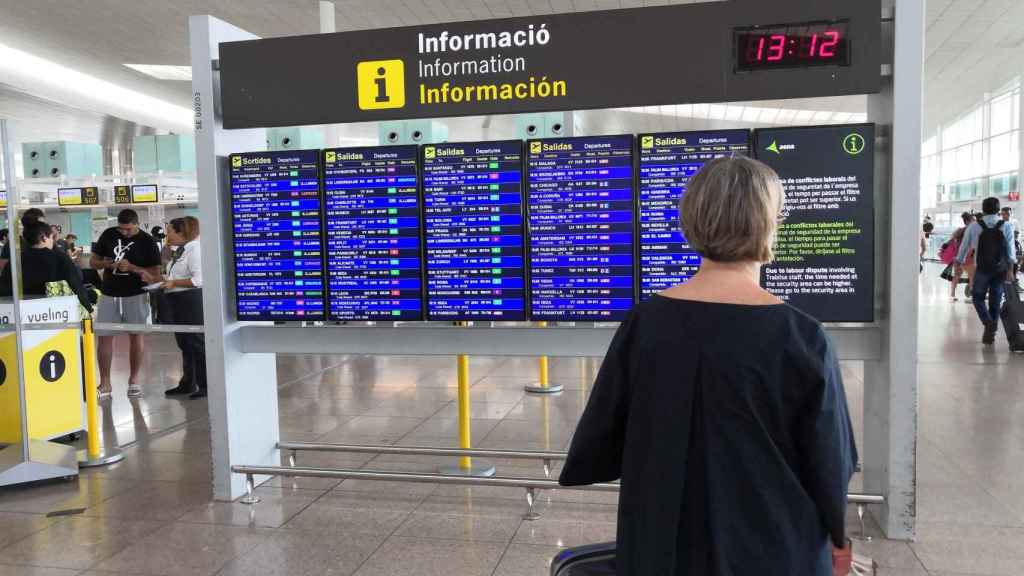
[[236, 161], [647, 142], [330, 156], [535, 147], [381, 84], [429, 152]]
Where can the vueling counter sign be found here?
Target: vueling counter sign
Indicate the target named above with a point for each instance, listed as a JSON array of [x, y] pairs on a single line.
[[444, 80]]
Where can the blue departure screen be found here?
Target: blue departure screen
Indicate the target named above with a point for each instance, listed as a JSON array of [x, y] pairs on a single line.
[[473, 224], [667, 162], [372, 221], [580, 206], [275, 204]]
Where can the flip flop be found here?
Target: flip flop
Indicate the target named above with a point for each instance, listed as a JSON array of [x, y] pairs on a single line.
[[103, 394], [134, 391]]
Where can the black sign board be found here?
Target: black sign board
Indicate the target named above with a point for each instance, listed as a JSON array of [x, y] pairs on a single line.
[[275, 206], [122, 194], [630, 57], [372, 230], [824, 258], [473, 228], [580, 208]]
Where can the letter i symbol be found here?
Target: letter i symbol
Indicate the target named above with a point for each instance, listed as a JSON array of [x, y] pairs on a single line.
[[382, 86], [53, 367]]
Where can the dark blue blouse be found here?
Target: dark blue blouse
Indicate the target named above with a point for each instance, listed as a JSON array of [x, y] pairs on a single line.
[[729, 429]]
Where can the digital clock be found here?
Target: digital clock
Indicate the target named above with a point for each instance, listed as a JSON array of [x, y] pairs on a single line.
[[792, 46]]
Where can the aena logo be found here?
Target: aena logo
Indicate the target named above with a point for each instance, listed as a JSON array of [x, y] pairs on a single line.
[[380, 84]]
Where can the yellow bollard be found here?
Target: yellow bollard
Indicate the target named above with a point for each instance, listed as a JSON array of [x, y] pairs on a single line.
[[465, 466], [543, 385], [93, 455], [465, 433]]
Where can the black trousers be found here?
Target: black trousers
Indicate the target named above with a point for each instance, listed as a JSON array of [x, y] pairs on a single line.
[[186, 307]]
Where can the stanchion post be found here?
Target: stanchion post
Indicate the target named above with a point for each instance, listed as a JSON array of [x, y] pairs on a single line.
[[94, 454], [543, 385], [465, 466]]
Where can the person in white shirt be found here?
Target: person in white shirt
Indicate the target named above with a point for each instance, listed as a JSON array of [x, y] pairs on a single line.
[[182, 286]]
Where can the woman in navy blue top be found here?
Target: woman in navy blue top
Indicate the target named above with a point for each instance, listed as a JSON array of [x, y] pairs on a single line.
[[721, 408]]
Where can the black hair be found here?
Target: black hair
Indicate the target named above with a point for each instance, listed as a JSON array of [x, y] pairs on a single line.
[[1007, 209], [128, 216], [967, 217], [31, 216], [36, 232], [928, 227], [4, 234], [157, 233], [990, 205]]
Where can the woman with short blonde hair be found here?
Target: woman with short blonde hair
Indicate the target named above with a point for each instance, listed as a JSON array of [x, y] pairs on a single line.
[[722, 409]]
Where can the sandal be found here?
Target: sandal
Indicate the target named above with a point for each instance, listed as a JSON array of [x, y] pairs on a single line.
[[134, 390], [102, 392]]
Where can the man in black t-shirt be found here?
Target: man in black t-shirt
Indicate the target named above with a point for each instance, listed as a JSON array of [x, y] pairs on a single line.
[[29, 217], [129, 260]]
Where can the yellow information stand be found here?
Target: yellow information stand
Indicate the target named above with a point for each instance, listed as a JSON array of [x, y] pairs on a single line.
[[53, 372]]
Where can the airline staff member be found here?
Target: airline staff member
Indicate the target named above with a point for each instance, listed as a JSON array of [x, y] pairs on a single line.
[[183, 287]]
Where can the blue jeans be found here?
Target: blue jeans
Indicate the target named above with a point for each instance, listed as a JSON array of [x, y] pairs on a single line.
[[991, 286]]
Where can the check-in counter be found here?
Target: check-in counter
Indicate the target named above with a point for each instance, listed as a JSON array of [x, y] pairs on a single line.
[[53, 370]]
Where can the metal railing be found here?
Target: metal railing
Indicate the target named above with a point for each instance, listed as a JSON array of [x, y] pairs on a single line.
[[531, 485], [111, 327]]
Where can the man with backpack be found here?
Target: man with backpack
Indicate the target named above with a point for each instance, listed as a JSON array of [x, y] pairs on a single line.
[[991, 238]]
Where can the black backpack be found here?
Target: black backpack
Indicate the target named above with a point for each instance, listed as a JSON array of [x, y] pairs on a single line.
[[992, 249]]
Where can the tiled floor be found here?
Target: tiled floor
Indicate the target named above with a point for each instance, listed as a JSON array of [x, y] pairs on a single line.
[[152, 514]]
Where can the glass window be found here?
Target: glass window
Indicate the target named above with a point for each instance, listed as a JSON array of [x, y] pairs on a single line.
[[1002, 114]]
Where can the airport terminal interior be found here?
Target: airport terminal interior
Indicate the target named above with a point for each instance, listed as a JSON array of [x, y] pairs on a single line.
[[422, 223]]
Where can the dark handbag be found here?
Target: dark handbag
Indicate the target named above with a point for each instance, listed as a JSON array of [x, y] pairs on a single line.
[[947, 273]]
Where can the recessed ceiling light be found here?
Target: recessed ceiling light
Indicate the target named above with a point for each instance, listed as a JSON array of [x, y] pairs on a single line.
[[164, 72]]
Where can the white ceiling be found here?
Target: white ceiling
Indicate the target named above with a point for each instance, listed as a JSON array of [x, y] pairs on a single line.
[[972, 45]]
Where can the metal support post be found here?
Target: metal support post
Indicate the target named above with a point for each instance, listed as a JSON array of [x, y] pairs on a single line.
[[543, 385], [93, 455], [465, 466], [531, 502], [250, 491]]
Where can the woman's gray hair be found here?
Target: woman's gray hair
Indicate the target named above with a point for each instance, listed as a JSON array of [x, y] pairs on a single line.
[[730, 211]]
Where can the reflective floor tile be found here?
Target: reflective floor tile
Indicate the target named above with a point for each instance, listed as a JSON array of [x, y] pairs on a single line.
[[460, 527], [552, 530], [35, 571], [156, 501], [305, 553], [276, 507], [15, 526], [185, 550], [77, 542], [526, 560], [188, 441], [59, 495], [401, 556], [383, 487], [473, 506]]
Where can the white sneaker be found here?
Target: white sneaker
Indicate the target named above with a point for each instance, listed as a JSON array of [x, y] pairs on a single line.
[[134, 391]]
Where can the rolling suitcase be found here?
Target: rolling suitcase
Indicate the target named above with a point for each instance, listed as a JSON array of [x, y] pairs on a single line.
[[1013, 318], [599, 560], [590, 560]]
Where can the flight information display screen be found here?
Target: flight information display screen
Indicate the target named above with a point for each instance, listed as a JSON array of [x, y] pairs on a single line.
[[667, 162], [275, 205], [580, 208], [473, 228], [372, 229], [824, 256]]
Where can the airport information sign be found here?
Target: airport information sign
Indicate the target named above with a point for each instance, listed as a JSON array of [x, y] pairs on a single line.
[[824, 258], [275, 204], [473, 228], [372, 229], [666, 163], [580, 208]]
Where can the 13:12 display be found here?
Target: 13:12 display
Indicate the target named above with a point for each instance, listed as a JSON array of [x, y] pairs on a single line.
[[792, 46]]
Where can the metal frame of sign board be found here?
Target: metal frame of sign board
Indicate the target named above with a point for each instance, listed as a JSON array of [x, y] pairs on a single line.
[[240, 355]]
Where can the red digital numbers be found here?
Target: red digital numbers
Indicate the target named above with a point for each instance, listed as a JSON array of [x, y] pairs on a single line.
[[776, 48], [828, 46]]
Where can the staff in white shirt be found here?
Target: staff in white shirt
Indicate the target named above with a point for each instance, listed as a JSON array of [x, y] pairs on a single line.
[[183, 287]]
